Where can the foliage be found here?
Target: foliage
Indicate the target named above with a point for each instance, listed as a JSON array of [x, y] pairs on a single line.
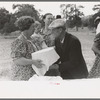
[[91, 20], [4, 17], [73, 14], [96, 8], [71, 10], [87, 21], [7, 19], [74, 21], [26, 10], [10, 26]]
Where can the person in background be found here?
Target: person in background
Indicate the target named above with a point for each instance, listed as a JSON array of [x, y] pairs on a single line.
[[37, 39], [58, 16], [95, 70], [71, 64], [45, 31], [21, 50]]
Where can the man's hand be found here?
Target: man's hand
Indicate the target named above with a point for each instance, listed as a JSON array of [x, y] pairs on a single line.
[[55, 66]]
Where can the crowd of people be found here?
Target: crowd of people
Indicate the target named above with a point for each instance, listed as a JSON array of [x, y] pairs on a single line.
[[35, 37]]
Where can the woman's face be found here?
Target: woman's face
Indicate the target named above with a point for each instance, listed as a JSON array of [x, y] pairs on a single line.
[[48, 19], [32, 29]]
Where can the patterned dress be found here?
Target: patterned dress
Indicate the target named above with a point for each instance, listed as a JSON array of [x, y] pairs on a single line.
[[95, 71], [22, 47], [38, 40], [46, 38]]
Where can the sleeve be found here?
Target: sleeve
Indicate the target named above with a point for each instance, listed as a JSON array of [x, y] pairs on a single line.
[[37, 39], [74, 57], [97, 40], [18, 49]]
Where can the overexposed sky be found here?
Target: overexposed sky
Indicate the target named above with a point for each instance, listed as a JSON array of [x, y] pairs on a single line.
[[51, 7]]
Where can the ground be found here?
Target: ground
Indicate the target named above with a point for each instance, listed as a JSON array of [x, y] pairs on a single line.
[[85, 36]]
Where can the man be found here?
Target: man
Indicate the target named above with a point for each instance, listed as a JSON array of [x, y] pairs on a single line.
[[58, 16], [71, 64]]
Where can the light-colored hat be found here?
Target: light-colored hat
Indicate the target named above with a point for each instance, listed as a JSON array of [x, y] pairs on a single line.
[[97, 18], [57, 23]]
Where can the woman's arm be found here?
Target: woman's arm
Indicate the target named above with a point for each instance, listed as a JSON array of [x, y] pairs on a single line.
[[44, 45], [95, 48], [23, 61]]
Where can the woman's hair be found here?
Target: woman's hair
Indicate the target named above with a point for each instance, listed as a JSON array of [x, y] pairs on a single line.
[[46, 15], [42, 21], [24, 22]]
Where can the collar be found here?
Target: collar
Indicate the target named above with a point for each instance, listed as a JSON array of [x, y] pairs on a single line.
[[62, 41], [24, 36]]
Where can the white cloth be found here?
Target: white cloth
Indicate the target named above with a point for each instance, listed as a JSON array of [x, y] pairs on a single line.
[[98, 29], [45, 78]]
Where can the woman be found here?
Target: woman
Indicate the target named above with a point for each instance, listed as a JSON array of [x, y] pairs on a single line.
[[45, 32], [95, 71], [21, 50], [42, 32]]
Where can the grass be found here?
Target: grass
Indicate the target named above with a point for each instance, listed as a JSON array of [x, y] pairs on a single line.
[[85, 36]]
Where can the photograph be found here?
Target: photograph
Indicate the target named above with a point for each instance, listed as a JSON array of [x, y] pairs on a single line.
[[49, 49]]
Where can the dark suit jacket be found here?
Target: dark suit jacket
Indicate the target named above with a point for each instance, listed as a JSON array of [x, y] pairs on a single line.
[[72, 65]]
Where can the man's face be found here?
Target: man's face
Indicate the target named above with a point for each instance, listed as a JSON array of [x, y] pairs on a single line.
[[55, 33], [32, 29]]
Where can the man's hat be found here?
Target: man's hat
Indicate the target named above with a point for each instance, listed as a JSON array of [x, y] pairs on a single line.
[[97, 18], [57, 23]]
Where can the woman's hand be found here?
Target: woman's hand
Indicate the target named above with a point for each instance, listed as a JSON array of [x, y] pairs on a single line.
[[38, 63]]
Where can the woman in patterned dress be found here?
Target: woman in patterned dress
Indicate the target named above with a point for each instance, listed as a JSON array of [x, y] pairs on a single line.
[[45, 31], [95, 71], [21, 50]]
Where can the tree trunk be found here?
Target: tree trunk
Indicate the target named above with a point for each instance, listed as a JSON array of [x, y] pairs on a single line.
[[76, 28], [82, 26]]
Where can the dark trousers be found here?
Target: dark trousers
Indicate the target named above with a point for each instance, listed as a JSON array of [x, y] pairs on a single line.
[[52, 72]]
